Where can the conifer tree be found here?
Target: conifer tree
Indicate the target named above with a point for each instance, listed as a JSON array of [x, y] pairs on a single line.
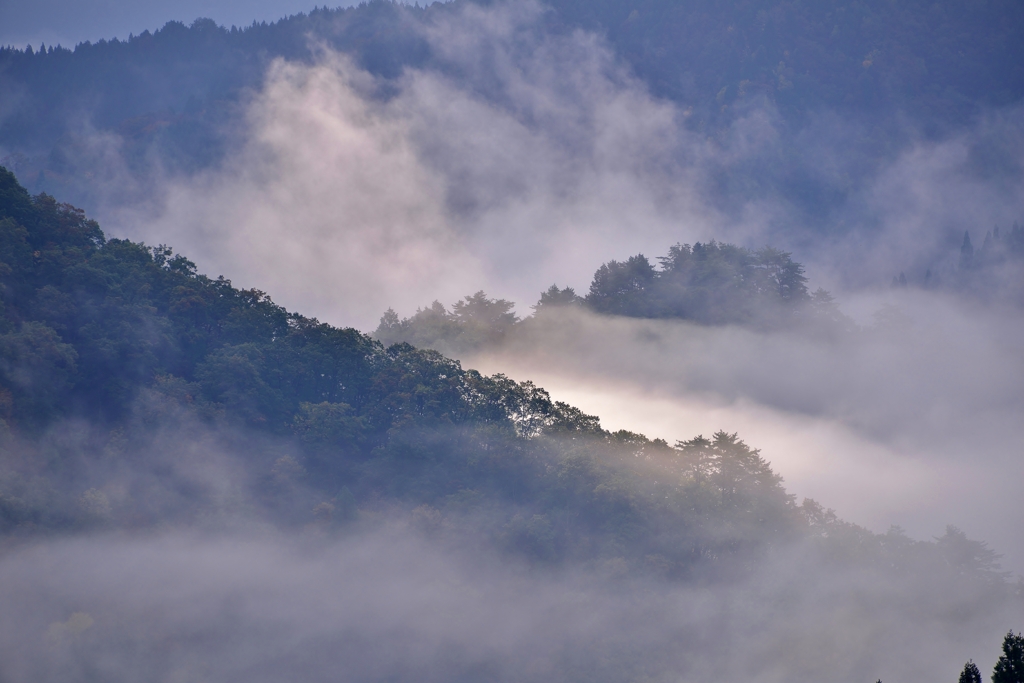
[[970, 674], [966, 252], [1010, 667]]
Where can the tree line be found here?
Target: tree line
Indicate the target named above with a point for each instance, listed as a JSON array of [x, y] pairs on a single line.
[[990, 272], [122, 369], [712, 283], [1009, 668]]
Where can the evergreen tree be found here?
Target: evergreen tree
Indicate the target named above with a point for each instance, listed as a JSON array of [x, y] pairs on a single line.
[[966, 252], [1010, 667], [970, 674], [555, 297]]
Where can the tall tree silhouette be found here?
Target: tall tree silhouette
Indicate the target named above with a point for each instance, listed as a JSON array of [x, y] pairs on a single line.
[[970, 674], [1010, 667]]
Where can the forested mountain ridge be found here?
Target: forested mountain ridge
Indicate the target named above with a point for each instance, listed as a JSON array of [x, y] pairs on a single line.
[[197, 483], [710, 284], [933, 61], [714, 284], [117, 358], [178, 93], [939, 60], [139, 397], [134, 341]]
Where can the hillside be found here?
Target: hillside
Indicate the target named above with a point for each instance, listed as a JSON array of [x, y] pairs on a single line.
[[139, 397], [886, 75], [133, 341]]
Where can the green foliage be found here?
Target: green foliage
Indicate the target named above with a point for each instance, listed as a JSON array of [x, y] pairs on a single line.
[[136, 362], [711, 283], [623, 288]]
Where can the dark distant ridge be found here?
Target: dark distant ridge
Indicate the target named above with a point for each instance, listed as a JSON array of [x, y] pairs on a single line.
[[860, 80], [933, 63], [179, 70]]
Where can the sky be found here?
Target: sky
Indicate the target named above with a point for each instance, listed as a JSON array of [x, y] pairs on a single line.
[[69, 22]]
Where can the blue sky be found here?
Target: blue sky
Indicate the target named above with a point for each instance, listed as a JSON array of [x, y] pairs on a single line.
[[68, 22]]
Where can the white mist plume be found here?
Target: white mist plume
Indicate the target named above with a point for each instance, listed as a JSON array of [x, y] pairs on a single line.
[[520, 159], [342, 203], [914, 426]]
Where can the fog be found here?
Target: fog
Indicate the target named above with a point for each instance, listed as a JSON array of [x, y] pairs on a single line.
[[915, 427], [501, 169], [342, 203], [205, 583], [520, 160], [391, 604], [505, 171]]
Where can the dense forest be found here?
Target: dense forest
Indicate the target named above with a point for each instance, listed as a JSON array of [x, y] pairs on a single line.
[[709, 284], [131, 338], [936, 62], [177, 94], [199, 483], [714, 284], [135, 343], [125, 375]]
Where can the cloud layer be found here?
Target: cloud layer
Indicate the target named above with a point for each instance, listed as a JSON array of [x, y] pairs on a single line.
[[392, 605], [523, 157], [913, 425], [498, 169]]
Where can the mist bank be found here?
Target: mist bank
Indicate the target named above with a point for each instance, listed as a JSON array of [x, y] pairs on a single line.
[[912, 424], [888, 412], [519, 154], [390, 602], [196, 480], [540, 182]]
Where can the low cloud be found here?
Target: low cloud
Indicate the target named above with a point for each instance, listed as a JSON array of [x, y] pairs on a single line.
[[390, 604], [913, 426], [518, 159], [522, 157], [498, 168]]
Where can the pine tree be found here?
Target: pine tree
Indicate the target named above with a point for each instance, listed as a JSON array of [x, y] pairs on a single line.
[[966, 252], [1010, 667], [970, 674]]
